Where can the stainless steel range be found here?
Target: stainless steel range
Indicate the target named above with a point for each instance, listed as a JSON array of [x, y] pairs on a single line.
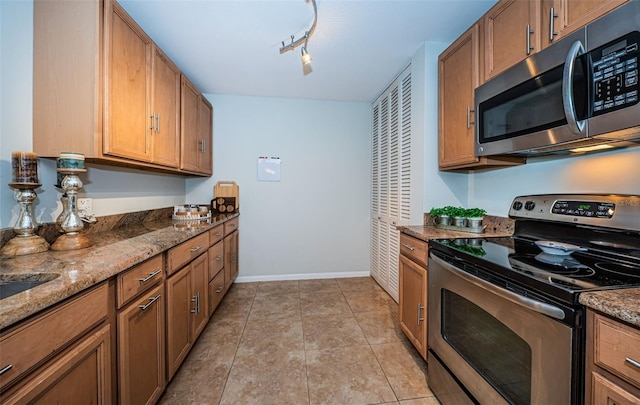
[[505, 325]]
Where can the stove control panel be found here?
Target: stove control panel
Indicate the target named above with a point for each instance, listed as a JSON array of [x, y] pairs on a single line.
[[584, 208], [606, 210]]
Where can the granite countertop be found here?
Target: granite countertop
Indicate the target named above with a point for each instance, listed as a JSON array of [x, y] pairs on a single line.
[[495, 226], [620, 304], [113, 251]]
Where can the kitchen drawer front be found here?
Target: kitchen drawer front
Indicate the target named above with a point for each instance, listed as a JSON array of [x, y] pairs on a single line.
[[617, 348], [414, 248], [216, 291], [26, 346], [216, 259], [187, 251], [139, 279], [216, 234], [607, 392], [230, 226]]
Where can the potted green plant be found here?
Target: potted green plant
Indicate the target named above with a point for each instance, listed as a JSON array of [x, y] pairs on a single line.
[[458, 215], [439, 216], [474, 217]]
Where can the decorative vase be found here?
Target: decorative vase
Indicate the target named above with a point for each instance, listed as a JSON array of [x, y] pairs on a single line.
[[474, 222], [443, 220]]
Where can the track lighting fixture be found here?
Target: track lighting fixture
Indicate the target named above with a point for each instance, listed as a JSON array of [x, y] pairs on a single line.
[[306, 56]]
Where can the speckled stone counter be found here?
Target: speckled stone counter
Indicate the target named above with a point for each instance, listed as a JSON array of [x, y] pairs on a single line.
[[113, 251], [495, 226], [620, 304]]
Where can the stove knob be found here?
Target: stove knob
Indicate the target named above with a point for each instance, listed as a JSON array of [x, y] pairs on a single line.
[[529, 205], [517, 205]]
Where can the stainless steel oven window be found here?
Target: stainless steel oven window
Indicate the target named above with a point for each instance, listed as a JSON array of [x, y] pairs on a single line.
[[502, 357]]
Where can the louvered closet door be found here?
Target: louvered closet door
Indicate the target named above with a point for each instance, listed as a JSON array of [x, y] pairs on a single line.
[[391, 163]]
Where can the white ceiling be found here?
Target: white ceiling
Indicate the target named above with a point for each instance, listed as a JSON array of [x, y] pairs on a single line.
[[358, 47]]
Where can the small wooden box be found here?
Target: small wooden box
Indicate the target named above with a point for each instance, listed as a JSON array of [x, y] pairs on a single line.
[[224, 205]]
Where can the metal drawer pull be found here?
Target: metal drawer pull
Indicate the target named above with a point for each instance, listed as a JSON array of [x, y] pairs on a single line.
[[218, 258], [195, 249], [219, 234], [150, 276], [627, 359], [219, 290], [151, 301], [420, 308], [7, 368], [409, 247], [469, 111], [195, 304]]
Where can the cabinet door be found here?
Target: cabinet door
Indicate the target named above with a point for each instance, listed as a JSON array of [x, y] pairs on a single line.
[[165, 135], [127, 112], [562, 17], [199, 295], [216, 291], [458, 77], [607, 392], [189, 150], [511, 34], [141, 348], [205, 136], [82, 375], [179, 306], [230, 259], [412, 314]]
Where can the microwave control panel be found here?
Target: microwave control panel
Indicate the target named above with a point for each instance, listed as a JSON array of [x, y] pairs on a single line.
[[615, 74]]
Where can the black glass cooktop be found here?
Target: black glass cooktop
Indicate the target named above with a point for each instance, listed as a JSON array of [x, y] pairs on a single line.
[[523, 264]]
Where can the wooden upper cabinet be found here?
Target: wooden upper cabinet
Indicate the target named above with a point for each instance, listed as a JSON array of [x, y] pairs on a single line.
[[101, 87], [128, 87], [561, 17], [458, 77], [165, 133], [196, 115], [511, 33]]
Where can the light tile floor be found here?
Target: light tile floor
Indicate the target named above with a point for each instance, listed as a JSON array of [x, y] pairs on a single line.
[[330, 341]]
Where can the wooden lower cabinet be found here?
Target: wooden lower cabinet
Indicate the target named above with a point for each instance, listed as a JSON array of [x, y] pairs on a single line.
[[81, 375], [613, 355], [230, 259], [187, 311], [141, 349], [412, 314]]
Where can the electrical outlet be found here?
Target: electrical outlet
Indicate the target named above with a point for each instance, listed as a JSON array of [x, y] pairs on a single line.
[[85, 204]]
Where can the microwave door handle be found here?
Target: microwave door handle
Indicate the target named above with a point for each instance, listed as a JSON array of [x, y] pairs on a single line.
[[575, 125], [534, 305]]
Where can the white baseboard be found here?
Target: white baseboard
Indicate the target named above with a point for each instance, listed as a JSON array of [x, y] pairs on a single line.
[[311, 276]]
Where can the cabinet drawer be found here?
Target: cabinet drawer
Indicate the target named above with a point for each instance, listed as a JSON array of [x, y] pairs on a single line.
[[617, 348], [216, 291], [230, 226], [186, 251], [216, 259], [41, 338], [216, 234], [139, 278], [607, 392], [414, 248]]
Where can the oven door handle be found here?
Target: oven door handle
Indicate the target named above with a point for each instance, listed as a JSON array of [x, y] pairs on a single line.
[[529, 303]]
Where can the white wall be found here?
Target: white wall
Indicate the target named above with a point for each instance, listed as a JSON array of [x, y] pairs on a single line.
[[315, 221], [113, 190], [615, 172]]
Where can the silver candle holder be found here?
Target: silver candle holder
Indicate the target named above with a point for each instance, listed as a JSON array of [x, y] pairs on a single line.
[[26, 241], [71, 223]]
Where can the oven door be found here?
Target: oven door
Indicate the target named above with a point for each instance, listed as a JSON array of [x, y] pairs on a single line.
[[497, 344]]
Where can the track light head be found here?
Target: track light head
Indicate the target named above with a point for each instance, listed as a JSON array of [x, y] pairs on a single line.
[[306, 56]]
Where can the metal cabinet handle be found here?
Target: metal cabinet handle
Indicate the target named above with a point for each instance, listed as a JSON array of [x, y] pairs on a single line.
[[627, 359], [5, 369], [219, 290], [420, 308], [151, 301], [195, 303], [158, 118], [219, 234], [552, 16], [411, 248], [150, 276], [469, 122], [195, 249], [218, 258], [153, 121], [529, 32]]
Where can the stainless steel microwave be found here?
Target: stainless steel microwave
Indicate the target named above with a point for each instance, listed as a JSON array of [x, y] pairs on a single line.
[[576, 95]]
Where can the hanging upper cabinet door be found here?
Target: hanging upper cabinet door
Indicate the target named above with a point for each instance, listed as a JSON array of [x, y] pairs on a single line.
[[165, 128], [127, 81], [196, 130], [205, 131]]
